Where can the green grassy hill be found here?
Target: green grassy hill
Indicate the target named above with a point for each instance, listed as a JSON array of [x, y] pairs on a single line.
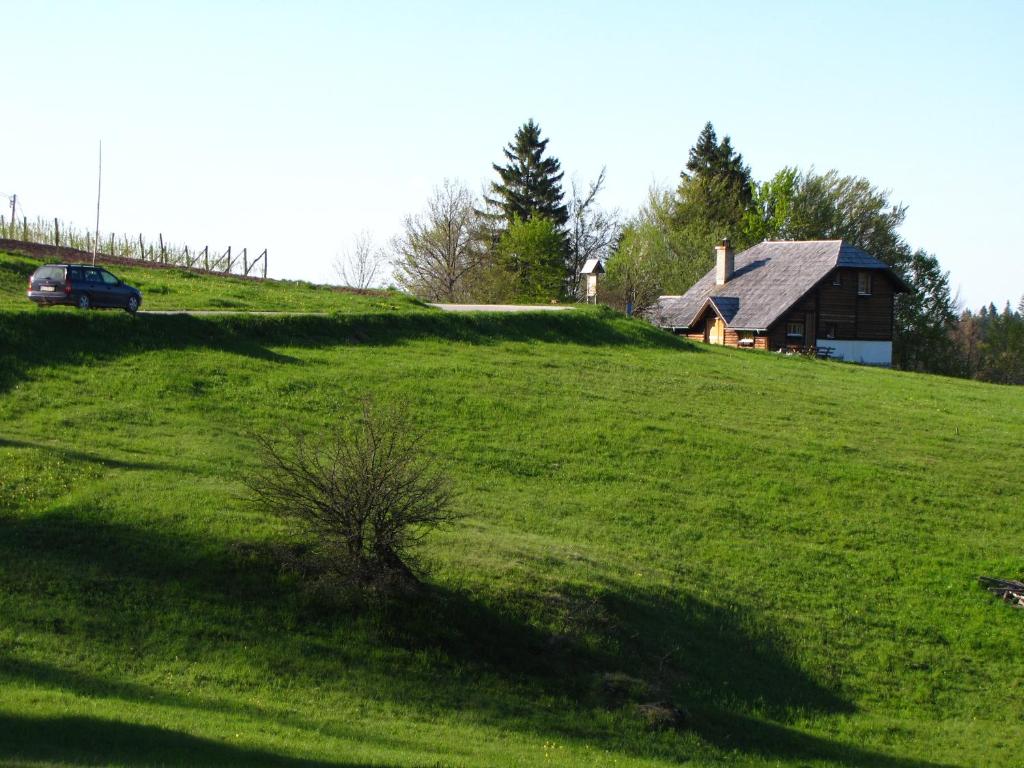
[[173, 288], [787, 549]]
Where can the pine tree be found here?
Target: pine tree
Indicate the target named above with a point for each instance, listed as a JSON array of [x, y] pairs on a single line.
[[704, 153], [715, 161], [530, 184]]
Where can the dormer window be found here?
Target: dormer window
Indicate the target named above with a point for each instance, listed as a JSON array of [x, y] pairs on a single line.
[[837, 279], [864, 283]]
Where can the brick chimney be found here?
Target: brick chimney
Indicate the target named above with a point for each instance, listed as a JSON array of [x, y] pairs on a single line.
[[724, 262]]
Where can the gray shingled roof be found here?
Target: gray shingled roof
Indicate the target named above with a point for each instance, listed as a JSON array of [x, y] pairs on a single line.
[[767, 280]]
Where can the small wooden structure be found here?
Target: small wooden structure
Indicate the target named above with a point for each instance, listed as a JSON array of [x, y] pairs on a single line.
[[591, 269]]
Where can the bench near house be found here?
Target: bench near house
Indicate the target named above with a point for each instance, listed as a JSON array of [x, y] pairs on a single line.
[[784, 294]]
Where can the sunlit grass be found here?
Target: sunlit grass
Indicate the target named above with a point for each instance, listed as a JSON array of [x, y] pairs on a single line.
[[785, 549], [172, 288]]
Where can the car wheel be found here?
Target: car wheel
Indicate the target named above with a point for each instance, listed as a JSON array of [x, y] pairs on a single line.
[[133, 305], [83, 301]]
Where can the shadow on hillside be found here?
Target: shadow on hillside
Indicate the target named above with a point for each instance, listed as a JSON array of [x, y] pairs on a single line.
[[30, 339], [95, 741], [732, 732], [116, 584], [85, 456]]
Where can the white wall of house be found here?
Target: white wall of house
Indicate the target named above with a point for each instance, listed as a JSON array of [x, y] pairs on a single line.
[[867, 352]]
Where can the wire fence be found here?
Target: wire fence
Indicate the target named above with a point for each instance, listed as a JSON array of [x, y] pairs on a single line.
[[62, 235]]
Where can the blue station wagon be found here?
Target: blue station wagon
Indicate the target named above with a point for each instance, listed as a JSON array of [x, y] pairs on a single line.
[[82, 286]]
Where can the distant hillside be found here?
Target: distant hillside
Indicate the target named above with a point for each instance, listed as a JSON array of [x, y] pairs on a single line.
[[774, 559]]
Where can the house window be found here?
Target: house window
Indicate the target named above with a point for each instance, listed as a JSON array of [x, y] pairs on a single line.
[[831, 330], [837, 279], [864, 283], [794, 330]]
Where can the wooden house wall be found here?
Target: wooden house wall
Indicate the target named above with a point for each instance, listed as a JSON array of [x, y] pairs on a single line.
[[732, 338], [865, 318], [874, 312], [839, 305], [803, 312]]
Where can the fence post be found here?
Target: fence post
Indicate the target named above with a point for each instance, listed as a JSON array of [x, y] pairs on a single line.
[[142, 248], [206, 258], [245, 261], [56, 233], [264, 263], [163, 253], [24, 228], [111, 251]]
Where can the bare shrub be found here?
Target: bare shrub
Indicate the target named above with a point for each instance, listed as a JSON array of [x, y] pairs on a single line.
[[362, 497]]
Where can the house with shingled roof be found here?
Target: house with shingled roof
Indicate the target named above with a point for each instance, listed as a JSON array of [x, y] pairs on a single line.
[[788, 295]]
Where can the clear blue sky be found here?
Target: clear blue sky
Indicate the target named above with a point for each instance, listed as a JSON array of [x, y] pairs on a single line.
[[295, 125]]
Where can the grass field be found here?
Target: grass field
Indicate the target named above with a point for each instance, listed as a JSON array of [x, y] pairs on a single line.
[[786, 549], [166, 289]]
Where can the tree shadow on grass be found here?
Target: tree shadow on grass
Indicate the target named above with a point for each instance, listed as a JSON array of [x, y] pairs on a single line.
[[80, 740], [774, 741], [83, 456], [496, 660], [30, 340]]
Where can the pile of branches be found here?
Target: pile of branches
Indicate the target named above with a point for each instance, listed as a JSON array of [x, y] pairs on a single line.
[[1009, 591]]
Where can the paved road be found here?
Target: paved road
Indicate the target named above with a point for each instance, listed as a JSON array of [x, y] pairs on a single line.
[[442, 307], [500, 307]]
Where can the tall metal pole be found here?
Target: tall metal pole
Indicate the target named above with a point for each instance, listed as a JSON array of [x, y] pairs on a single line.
[[99, 188]]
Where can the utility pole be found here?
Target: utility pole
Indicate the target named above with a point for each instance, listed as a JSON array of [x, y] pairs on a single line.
[[99, 187]]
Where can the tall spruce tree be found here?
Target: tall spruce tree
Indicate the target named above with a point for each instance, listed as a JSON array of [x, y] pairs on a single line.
[[711, 160], [530, 184]]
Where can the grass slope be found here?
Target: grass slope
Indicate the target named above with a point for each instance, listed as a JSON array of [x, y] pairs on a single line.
[[786, 548], [167, 289]]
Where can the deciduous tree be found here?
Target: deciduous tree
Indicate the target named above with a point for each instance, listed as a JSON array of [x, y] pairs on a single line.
[[530, 253], [439, 249], [362, 266], [592, 231], [925, 318]]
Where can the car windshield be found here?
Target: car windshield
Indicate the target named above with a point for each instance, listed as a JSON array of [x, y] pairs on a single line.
[[49, 273]]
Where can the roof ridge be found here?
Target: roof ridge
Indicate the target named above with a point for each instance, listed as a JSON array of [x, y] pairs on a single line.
[[822, 240]]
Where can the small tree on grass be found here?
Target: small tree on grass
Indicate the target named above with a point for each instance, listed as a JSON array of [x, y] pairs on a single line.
[[364, 497], [531, 252], [363, 265]]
